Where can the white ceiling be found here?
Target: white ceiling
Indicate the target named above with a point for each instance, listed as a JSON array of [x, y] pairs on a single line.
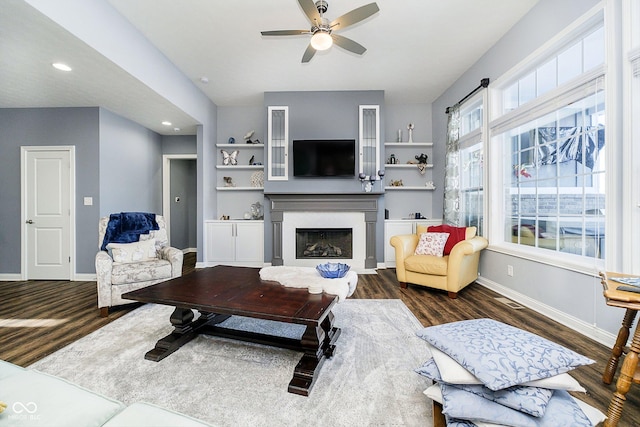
[[415, 50]]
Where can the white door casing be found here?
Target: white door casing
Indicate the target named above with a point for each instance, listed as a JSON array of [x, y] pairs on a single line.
[[166, 186], [48, 214]]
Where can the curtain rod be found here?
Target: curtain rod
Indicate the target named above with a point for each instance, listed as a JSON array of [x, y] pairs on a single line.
[[483, 83]]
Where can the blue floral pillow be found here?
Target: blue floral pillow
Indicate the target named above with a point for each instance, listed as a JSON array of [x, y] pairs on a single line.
[[530, 400], [500, 355], [561, 411]]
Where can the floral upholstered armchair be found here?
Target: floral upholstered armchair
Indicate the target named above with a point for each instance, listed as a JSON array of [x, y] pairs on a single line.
[[125, 267]]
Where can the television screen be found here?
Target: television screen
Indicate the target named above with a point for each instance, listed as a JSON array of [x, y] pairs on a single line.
[[324, 157]]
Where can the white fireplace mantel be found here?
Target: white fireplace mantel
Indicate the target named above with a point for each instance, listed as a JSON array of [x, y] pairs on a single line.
[[327, 205]]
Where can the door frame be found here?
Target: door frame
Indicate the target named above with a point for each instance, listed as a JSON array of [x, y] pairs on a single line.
[[24, 150], [166, 186]]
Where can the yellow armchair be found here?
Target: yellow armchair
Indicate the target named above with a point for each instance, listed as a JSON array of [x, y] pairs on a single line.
[[449, 273]]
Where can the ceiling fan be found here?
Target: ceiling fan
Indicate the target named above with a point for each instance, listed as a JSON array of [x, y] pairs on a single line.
[[322, 31]]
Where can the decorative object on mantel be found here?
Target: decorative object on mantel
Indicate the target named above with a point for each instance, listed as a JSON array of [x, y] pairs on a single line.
[[228, 181], [257, 179], [430, 185], [381, 175], [224, 217], [232, 140], [229, 158], [410, 126], [396, 183], [257, 211]]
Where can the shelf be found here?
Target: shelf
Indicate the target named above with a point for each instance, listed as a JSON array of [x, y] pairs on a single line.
[[261, 189], [405, 166], [408, 144], [408, 188], [240, 145], [259, 167]]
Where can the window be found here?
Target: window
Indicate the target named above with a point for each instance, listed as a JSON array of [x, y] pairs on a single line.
[[471, 164], [548, 141]]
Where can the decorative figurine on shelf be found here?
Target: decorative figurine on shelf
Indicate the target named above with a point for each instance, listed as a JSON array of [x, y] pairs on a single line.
[[410, 128], [396, 183], [399, 135], [228, 181], [430, 185], [229, 158], [232, 140], [392, 160], [422, 158], [247, 137], [251, 160], [257, 211], [422, 163]]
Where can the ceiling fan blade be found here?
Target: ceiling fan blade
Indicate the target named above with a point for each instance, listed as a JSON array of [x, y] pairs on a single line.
[[348, 44], [284, 32], [355, 16], [308, 54], [310, 10]]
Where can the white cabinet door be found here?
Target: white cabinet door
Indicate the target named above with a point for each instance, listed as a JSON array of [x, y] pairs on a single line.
[[249, 237], [221, 242], [239, 243], [394, 228]]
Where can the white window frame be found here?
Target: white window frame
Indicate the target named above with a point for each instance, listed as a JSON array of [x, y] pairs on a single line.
[[630, 135], [499, 122]]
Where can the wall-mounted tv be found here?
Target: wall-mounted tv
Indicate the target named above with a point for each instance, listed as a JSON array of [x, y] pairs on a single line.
[[324, 157]]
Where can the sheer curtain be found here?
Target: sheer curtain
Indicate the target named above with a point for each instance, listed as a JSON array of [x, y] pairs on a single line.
[[452, 169]]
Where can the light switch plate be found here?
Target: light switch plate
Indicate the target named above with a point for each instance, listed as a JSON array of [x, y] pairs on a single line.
[[88, 201]]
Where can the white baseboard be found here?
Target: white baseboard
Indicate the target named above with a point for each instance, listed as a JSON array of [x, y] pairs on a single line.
[[590, 331], [10, 277], [85, 277]]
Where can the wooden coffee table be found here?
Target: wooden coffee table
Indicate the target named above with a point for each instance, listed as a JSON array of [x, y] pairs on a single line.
[[223, 291]]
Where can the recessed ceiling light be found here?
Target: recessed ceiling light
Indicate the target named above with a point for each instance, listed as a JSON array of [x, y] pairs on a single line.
[[60, 66], [176, 129], [204, 80], [166, 123]]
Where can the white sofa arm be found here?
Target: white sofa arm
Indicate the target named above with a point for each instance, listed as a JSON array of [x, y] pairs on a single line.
[[175, 257], [104, 264]]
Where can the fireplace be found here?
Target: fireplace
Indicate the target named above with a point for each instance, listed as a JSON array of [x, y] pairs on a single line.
[[357, 212], [324, 243]]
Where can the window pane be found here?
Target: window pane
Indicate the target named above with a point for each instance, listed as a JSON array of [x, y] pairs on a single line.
[[570, 63], [594, 49], [546, 75], [527, 88], [510, 97], [552, 186]]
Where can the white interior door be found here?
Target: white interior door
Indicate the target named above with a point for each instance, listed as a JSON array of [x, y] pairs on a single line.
[[47, 213]]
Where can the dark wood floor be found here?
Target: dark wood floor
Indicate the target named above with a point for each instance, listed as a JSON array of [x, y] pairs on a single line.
[[75, 305]]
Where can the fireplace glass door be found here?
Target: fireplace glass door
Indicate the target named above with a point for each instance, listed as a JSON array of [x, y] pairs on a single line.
[[324, 243]]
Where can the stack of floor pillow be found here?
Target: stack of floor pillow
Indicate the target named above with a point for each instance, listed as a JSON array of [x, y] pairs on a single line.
[[487, 373]]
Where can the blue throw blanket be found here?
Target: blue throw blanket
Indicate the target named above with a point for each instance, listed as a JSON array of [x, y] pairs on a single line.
[[126, 227]]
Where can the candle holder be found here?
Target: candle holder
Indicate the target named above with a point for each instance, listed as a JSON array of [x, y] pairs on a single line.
[[381, 175]]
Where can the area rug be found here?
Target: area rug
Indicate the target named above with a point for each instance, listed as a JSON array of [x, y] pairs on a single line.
[[369, 381]]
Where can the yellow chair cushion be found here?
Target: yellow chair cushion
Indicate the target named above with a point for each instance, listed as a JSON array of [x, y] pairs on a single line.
[[427, 264]]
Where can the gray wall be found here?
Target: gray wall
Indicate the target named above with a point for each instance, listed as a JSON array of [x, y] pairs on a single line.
[[130, 166], [183, 212], [46, 127], [556, 290], [179, 144]]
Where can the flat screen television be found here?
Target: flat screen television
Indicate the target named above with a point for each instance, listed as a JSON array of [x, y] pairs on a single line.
[[324, 157]]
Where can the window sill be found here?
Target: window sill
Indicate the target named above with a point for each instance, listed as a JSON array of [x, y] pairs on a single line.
[[576, 263]]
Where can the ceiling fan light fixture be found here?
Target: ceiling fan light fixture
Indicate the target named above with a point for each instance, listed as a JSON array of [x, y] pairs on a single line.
[[321, 40]]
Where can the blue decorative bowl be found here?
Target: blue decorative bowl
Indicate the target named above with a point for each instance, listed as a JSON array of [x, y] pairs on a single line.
[[332, 270]]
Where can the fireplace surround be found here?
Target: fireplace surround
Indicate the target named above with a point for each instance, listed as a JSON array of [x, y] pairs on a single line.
[[334, 207]]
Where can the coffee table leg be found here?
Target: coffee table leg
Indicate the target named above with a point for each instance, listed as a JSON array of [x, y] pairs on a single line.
[[182, 321], [318, 343]]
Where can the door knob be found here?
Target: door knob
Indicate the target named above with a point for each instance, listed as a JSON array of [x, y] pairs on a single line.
[[29, 221]]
